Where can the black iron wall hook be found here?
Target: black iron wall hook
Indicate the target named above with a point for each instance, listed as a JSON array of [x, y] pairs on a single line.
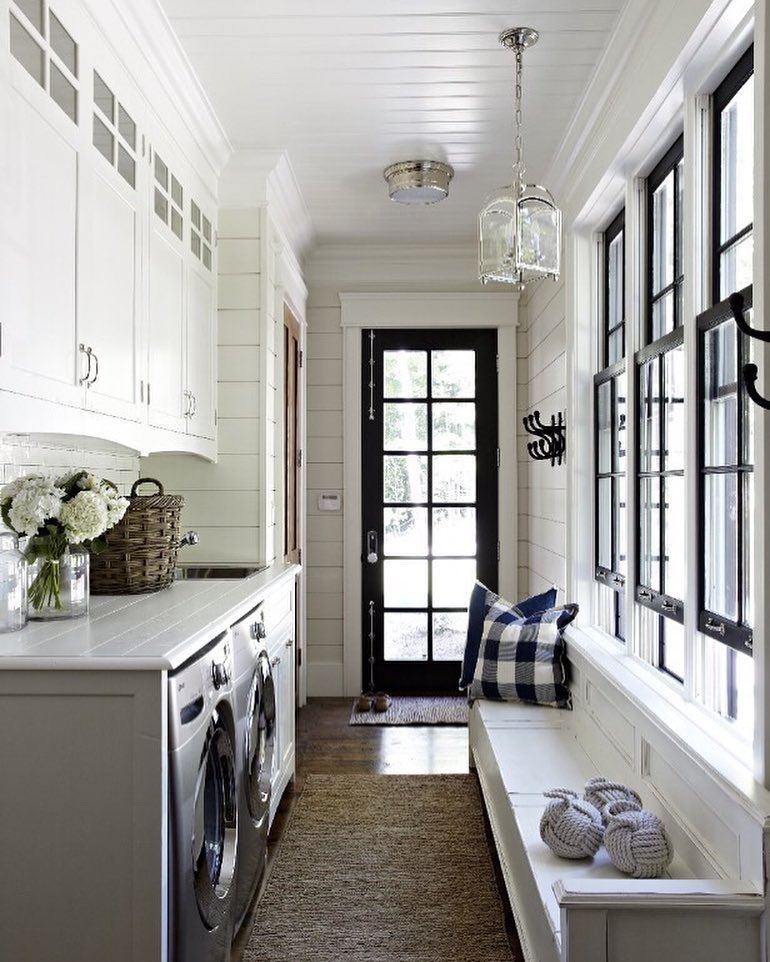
[[551, 443], [750, 371]]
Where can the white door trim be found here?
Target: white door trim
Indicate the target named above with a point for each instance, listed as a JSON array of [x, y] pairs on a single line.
[[420, 310]]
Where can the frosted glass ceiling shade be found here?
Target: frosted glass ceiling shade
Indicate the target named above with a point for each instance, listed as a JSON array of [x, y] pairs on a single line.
[[519, 237], [418, 181], [519, 225]]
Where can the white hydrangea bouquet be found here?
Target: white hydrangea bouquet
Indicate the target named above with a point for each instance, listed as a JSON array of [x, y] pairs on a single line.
[[56, 513]]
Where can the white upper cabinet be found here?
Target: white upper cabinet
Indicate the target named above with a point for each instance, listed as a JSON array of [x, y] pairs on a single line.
[[108, 305], [39, 290]]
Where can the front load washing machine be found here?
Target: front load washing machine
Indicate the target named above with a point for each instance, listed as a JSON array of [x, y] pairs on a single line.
[[203, 811], [255, 738]]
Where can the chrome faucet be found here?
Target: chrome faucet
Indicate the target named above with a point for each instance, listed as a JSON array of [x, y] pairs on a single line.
[[189, 537]]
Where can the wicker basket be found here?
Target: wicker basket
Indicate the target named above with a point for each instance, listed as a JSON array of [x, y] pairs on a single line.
[[142, 547]]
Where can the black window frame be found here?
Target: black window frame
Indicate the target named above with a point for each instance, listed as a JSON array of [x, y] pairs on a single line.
[[737, 634], [668, 164], [612, 577], [724, 93]]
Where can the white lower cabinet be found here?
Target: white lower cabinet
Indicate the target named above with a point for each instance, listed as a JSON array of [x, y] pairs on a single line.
[[281, 636]]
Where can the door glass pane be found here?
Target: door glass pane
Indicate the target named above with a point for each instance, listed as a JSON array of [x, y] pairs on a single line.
[[406, 531], [177, 194], [449, 631], [405, 427], [206, 229], [405, 478], [452, 580], [720, 436], [737, 162], [615, 285], [27, 51], [454, 478], [454, 531], [406, 374], [454, 426], [620, 423], [453, 374], [736, 266], [675, 560], [405, 636], [615, 345], [649, 416], [406, 584], [603, 511], [674, 375], [126, 166], [649, 534], [663, 235], [748, 547], [721, 545], [63, 45], [161, 172]]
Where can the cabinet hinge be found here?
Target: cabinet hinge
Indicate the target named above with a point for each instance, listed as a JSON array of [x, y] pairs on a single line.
[[301, 358], [141, 392], [216, 416], [148, 392]]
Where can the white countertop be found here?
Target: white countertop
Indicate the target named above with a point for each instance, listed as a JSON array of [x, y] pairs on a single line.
[[154, 631]]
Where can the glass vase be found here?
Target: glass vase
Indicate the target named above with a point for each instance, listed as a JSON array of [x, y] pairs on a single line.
[[13, 583], [58, 587]]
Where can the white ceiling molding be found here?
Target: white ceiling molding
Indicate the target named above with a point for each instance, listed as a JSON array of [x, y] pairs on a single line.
[[264, 178], [157, 49]]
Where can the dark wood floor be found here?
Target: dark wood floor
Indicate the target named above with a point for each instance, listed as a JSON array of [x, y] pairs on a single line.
[[328, 744]]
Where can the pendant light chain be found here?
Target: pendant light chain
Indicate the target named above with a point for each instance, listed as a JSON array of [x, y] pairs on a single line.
[[518, 167]]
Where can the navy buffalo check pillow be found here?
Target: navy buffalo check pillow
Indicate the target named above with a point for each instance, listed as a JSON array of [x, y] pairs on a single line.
[[481, 601], [523, 660]]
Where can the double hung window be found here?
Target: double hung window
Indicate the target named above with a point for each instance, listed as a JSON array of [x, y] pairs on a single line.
[[610, 395]]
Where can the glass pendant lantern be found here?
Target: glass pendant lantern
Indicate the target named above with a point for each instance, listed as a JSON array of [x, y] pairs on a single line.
[[519, 225]]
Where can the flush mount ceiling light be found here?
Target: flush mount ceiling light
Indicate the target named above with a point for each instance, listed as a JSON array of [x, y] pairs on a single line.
[[418, 181], [519, 225]]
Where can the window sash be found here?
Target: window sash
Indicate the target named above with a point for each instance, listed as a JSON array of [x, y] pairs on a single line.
[[610, 500], [716, 475], [613, 314], [667, 289]]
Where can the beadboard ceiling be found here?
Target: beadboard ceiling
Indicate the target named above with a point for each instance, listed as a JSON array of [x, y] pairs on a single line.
[[347, 87]]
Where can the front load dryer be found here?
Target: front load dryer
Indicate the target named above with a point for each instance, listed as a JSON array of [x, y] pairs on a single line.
[[203, 811], [255, 739]]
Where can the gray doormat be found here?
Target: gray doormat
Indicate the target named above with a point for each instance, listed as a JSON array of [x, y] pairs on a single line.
[[416, 710], [383, 868]]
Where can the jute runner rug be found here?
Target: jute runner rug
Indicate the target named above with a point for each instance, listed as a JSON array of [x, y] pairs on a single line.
[[382, 868], [416, 710]]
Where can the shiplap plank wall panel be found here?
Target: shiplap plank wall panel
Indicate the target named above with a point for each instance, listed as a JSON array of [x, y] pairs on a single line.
[[324, 475], [542, 378], [223, 501]]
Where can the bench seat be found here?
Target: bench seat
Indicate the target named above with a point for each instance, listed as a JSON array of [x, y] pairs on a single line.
[[520, 751]]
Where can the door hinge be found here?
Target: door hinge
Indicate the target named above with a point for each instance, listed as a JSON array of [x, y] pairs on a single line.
[[299, 657], [299, 458], [498, 457], [301, 358], [497, 363], [216, 417], [498, 550], [148, 393], [299, 556]]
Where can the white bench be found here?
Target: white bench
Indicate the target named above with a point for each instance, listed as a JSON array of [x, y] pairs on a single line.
[[587, 910]]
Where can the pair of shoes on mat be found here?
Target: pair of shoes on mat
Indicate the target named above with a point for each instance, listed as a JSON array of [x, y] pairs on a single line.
[[379, 702]]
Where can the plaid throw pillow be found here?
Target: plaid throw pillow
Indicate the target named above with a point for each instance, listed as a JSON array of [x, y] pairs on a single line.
[[481, 601], [523, 660]]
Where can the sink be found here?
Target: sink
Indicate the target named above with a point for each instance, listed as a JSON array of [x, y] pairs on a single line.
[[190, 572]]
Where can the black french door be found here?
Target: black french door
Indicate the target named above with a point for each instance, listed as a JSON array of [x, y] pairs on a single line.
[[429, 483]]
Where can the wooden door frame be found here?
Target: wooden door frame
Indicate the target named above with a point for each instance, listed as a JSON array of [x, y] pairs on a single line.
[[415, 310], [292, 533]]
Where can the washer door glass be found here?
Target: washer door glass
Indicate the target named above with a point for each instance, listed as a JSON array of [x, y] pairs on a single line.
[[215, 826], [260, 740]]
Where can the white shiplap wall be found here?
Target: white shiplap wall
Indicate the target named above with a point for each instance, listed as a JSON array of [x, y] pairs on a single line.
[[329, 272], [542, 488]]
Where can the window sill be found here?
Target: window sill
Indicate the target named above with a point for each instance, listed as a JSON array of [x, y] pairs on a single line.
[[705, 740]]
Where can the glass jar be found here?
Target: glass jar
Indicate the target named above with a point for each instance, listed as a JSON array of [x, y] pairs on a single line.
[[58, 587], [13, 583]]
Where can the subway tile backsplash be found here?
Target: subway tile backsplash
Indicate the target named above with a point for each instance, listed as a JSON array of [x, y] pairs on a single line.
[[25, 453]]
